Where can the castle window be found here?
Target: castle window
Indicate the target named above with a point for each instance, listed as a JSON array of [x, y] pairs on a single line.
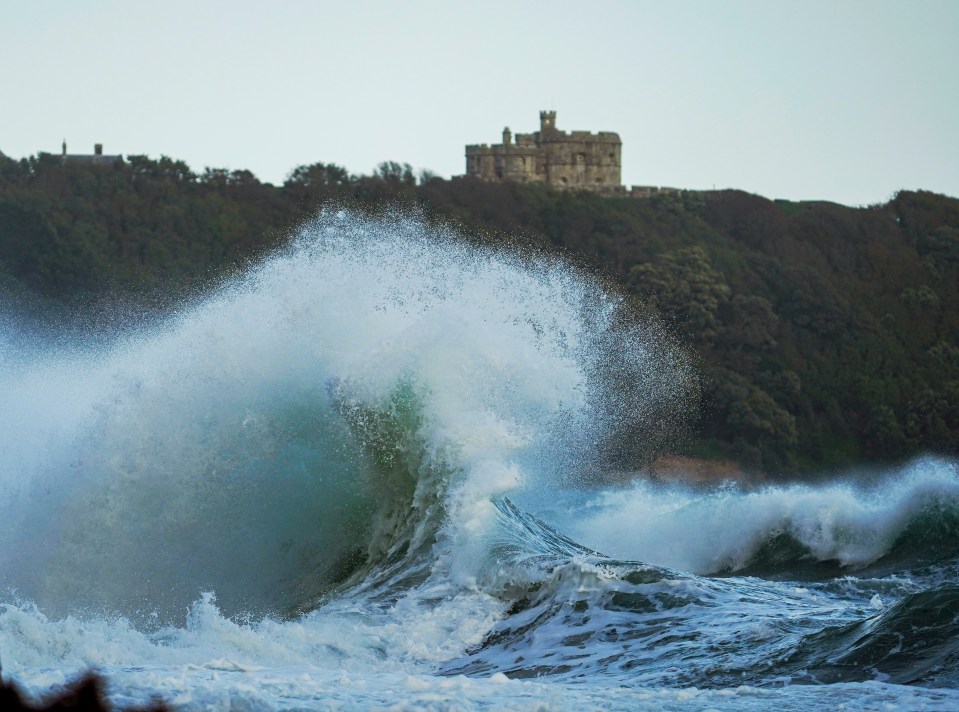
[[581, 158]]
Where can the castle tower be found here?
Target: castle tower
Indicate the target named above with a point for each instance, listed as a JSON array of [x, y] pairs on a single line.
[[547, 121]]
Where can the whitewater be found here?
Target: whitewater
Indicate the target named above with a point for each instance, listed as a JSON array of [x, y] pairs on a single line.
[[379, 471]]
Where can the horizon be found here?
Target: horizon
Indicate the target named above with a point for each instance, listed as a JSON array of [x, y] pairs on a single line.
[[838, 103]]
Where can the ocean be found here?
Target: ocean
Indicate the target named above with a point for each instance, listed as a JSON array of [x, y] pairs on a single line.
[[379, 471]]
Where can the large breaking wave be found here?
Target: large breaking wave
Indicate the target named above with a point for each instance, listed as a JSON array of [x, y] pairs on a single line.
[[373, 389]]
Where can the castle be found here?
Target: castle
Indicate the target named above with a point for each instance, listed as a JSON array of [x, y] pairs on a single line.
[[566, 160]]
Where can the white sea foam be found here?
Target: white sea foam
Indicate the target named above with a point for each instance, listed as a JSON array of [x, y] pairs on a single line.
[[343, 657]]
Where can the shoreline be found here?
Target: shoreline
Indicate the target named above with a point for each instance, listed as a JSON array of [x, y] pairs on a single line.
[[697, 470]]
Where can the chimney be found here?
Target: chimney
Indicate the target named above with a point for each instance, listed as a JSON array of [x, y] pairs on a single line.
[[98, 149]]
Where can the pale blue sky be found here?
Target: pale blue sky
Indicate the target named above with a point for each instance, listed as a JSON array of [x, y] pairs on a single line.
[[843, 101]]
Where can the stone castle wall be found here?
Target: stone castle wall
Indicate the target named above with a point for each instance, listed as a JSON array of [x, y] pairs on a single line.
[[565, 160]]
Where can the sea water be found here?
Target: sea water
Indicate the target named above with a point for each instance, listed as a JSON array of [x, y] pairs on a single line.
[[373, 473]]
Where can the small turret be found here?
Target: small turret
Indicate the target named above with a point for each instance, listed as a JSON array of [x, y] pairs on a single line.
[[64, 147], [547, 120], [507, 136]]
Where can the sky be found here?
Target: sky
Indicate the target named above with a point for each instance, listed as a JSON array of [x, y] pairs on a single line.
[[847, 101]]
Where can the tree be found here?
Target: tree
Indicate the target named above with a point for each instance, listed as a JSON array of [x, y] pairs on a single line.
[[396, 173], [684, 286], [318, 175]]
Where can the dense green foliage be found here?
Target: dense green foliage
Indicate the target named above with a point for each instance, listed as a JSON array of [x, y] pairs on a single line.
[[825, 335]]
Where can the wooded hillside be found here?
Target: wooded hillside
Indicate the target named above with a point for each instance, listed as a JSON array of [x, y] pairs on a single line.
[[824, 335]]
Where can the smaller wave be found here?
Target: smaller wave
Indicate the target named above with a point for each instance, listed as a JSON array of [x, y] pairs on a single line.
[[904, 521], [577, 613]]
